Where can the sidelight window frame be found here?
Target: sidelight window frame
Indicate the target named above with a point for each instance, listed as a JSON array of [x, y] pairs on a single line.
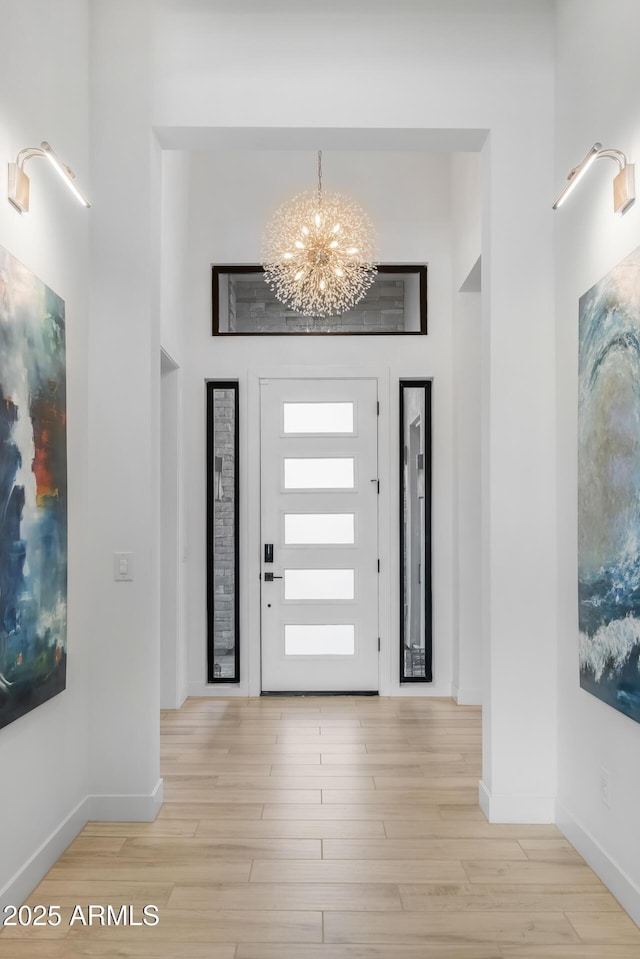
[[214, 485]]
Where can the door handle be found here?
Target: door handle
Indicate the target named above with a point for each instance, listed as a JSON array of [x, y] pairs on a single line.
[[269, 577]]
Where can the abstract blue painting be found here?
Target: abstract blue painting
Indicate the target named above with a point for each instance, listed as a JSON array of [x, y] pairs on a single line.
[[609, 488], [33, 492]]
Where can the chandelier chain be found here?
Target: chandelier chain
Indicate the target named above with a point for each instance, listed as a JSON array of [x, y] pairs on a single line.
[[320, 174]]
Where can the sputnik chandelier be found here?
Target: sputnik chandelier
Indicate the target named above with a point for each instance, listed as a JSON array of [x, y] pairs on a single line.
[[318, 252]]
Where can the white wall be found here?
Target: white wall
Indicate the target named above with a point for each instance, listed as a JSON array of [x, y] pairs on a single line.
[[124, 415], [448, 70], [597, 83], [174, 234], [175, 169], [466, 212], [44, 95], [407, 197]]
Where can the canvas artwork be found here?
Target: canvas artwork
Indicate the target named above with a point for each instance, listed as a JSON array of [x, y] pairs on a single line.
[[33, 492], [609, 488]]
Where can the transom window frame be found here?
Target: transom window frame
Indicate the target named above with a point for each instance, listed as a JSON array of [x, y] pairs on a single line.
[[218, 270]]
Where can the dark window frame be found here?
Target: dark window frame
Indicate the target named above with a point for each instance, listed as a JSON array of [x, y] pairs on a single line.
[[428, 651], [211, 387], [219, 269]]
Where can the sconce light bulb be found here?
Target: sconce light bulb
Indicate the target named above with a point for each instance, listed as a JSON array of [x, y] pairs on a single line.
[[576, 175], [64, 172]]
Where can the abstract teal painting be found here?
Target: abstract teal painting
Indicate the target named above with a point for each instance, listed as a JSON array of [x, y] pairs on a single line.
[[33, 492], [609, 488]]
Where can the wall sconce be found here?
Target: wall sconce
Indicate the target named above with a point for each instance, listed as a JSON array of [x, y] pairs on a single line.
[[18, 191], [624, 190]]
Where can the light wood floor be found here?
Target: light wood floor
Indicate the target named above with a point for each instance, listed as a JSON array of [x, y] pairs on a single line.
[[321, 828]]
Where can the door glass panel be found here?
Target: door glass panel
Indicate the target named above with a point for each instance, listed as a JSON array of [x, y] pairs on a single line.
[[318, 584], [319, 640], [322, 473], [318, 417], [313, 529]]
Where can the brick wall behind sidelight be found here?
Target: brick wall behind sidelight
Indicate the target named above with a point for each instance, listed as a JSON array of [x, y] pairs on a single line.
[[224, 527]]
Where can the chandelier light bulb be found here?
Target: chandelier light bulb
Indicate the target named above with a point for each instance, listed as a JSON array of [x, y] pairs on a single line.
[[325, 275]]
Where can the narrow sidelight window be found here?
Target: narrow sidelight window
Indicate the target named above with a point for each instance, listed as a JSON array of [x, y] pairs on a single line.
[[223, 600], [415, 531]]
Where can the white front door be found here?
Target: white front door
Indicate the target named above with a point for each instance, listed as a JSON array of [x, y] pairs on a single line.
[[319, 549]]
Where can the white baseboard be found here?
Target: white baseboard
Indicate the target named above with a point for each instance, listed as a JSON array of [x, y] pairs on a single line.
[[217, 689], [524, 809], [101, 808], [469, 696], [27, 878], [126, 808], [484, 799], [626, 891]]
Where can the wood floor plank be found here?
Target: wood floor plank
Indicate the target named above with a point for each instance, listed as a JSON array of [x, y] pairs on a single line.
[[370, 897], [66, 892], [290, 829], [163, 827], [461, 812], [550, 850], [365, 870], [257, 763], [421, 897], [425, 950], [394, 757], [280, 781], [193, 850], [437, 780], [84, 845], [83, 870], [418, 796], [531, 872], [113, 950], [411, 927], [377, 811], [171, 769], [209, 810], [466, 829], [177, 792], [455, 849], [581, 951], [297, 747], [436, 748], [210, 926], [348, 771], [605, 927]]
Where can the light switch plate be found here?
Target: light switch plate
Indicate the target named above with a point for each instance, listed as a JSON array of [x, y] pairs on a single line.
[[123, 567]]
